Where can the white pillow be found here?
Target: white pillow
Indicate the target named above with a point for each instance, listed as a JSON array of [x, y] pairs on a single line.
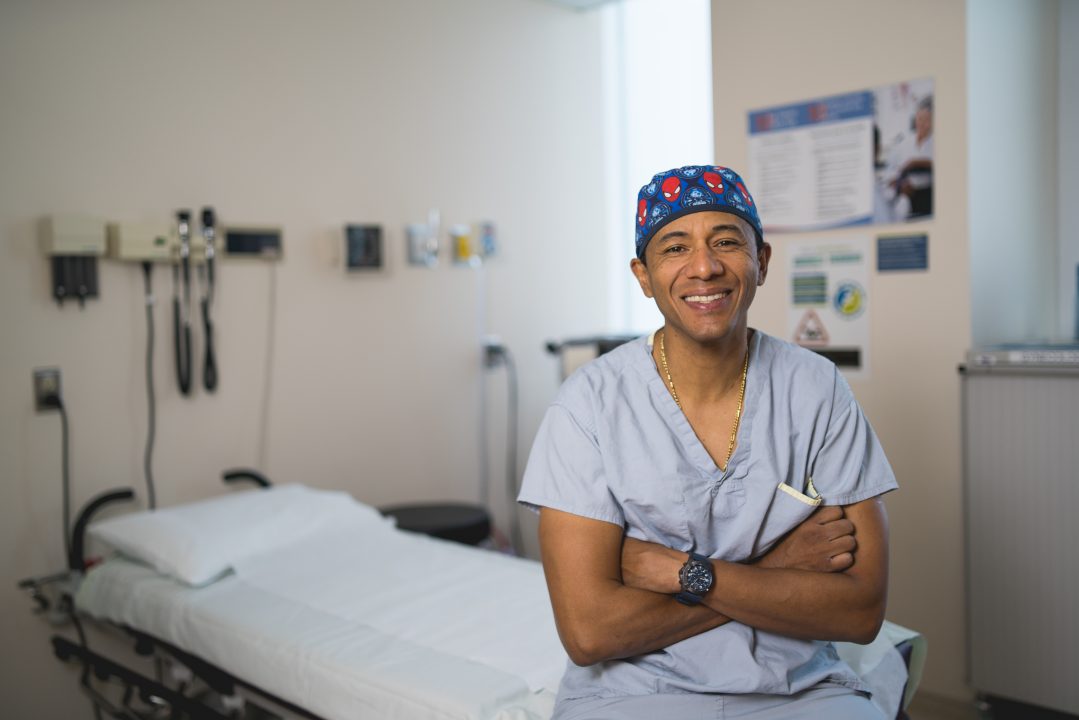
[[199, 542]]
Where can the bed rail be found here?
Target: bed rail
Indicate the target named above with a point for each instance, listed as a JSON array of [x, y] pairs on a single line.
[[241, 474], [218, 680], [78, 534], [105, 669]]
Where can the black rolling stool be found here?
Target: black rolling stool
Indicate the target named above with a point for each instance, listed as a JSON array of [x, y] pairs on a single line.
[[468, 524]]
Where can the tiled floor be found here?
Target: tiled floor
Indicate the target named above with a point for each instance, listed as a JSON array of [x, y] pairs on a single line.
[[934, 707]]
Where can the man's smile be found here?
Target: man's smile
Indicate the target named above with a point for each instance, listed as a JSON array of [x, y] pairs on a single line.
[[706, 298]]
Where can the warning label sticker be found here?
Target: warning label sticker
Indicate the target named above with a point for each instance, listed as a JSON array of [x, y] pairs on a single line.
[[810, 330]]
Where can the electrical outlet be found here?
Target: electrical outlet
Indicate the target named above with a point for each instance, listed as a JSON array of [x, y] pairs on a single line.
[[46, 387], [494, 351]]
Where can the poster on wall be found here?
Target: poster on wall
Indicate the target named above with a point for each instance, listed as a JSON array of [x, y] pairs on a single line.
[[829, 301], [855, 159]]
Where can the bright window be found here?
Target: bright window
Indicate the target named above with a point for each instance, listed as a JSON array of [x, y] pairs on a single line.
[[658, 87]]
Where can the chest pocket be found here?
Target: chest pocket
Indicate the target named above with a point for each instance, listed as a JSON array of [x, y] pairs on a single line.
[[787, 510], [719, 512], [727, 498], [656, 510]]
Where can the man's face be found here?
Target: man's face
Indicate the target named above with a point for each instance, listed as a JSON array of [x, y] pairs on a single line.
[[703, 270], [923, 122]]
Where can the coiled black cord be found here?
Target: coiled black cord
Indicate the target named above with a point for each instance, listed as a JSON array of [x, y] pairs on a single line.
[[181, 331]]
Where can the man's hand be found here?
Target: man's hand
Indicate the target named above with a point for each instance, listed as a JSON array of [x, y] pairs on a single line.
[[823, 543]]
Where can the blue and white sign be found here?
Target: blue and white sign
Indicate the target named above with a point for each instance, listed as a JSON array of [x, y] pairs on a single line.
[[902, 252]]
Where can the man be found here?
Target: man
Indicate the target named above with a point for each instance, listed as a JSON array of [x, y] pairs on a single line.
[[682, 480], [911, 167]]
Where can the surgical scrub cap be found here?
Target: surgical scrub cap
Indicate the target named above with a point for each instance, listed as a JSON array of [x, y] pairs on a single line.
[[690, 189]]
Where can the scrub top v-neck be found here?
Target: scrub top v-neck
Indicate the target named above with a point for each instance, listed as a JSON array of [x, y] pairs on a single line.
[[679, 423]]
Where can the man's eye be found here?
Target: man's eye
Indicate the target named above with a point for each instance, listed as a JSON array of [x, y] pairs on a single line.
[[674, 249]]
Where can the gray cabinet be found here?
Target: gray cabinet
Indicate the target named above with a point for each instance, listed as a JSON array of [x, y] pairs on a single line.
[[1021, 496]]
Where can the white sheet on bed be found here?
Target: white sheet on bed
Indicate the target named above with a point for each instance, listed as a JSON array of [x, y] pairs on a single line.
[[444, 596]]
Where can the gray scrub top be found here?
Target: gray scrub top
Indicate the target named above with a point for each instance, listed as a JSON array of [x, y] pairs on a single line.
[[615, 447]]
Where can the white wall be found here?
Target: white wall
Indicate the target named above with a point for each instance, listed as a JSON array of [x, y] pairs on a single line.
[[1012, 66], [772, 52], [306, 115], [1068, 168]]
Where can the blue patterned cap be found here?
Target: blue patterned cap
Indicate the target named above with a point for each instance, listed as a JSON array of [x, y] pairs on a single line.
[[690, 189]]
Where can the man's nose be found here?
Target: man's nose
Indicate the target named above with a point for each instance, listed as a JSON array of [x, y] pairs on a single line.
[[705, 262]]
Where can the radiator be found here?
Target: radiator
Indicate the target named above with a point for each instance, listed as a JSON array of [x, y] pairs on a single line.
[[1021, 496]]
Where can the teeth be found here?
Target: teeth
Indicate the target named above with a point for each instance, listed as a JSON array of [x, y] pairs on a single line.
[[704, 298]]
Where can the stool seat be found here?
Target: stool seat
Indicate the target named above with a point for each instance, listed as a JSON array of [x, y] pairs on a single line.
[[460, 522]]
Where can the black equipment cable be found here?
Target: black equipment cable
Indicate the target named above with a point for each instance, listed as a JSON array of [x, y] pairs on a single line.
[[209, 365], [151, 413], [268, 367], [511, 449], [66, 478], [181, 323]]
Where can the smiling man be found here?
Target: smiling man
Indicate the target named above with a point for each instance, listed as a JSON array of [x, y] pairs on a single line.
[[709, 495]]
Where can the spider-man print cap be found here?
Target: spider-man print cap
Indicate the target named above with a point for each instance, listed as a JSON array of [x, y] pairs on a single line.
[[693, 188]]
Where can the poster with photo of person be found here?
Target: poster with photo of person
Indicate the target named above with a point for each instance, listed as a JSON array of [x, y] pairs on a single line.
[[903, 152]]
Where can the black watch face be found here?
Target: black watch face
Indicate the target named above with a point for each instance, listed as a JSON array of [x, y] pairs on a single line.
[[698, 578]]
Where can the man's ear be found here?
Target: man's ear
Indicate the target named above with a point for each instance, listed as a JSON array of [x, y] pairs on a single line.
[[640, 271], [764, 255]]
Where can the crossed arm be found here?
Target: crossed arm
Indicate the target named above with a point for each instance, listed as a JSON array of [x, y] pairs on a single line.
[[612, 595]]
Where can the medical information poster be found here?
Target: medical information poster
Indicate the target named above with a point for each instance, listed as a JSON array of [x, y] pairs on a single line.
[[811, 164], [829, 301], [855, 159]]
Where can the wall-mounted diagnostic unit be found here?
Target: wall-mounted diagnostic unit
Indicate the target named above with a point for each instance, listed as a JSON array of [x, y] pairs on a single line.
[[74, 243], [140, 242], [363, 247], [262, 242]]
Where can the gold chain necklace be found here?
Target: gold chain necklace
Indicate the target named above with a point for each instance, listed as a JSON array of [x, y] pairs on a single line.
[[741, 394]]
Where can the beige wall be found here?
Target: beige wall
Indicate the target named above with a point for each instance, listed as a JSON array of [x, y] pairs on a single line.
[[306, 115], [773, 52]]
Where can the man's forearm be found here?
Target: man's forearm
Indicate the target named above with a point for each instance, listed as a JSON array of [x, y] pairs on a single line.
[[797, 603], [630, 622]]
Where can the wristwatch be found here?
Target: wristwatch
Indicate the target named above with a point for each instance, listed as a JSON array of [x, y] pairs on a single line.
[[696, 579]]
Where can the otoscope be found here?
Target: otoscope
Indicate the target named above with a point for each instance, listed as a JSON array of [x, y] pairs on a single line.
[[181, 321], [206, 280]]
